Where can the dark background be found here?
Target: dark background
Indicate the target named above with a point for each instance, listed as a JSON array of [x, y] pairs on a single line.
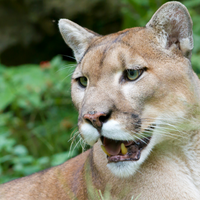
[[29, 31]]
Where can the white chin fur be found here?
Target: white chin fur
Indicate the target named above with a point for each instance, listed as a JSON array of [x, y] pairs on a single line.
[[127, 169], [123, 169], [89, 133]]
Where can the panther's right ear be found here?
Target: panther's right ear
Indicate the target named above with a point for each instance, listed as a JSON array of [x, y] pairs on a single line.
[[76, 37], [172, 25]]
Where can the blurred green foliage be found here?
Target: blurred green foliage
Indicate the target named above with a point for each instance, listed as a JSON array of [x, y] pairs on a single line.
[[37, 117], [36, 113]]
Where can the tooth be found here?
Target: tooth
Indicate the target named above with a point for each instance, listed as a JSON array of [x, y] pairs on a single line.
[[104, 149], [123, 149]]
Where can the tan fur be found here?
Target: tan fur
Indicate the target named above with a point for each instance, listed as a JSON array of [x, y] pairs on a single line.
[[166, 94]]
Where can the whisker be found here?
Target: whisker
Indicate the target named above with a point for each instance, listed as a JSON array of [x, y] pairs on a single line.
[[77, 143], [70, 66], [140, 139], [170, 129], [137, 170], [74, 132], [67, 76], [74, 137], [168, 134], [69, 57], [83, 145], [143, 135]]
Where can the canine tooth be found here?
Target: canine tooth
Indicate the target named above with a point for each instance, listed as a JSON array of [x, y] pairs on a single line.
[[104, 149], [123, 149]]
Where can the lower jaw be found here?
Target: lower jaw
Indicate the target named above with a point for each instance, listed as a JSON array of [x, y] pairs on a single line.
[[123, 169], [134, 149], [120, 158], [133, 154]]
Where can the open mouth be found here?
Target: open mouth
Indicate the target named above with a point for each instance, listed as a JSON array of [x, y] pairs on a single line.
[[118, 150]]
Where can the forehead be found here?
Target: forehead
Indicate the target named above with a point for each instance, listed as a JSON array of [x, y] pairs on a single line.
[[110, 50]]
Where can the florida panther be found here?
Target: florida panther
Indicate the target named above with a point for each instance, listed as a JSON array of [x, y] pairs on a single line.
[[138, 102]]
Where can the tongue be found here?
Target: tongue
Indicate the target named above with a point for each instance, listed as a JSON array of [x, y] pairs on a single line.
[[112, 147]]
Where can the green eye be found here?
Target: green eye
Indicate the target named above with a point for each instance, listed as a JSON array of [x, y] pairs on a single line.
[[132, 74], [83, 81]]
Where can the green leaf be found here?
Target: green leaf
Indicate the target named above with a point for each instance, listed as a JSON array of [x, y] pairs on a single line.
[[191, 3], [56, 61], [43, 160], [7, 94], [31, 169], [23, 159], [6, 143], [20, 150]]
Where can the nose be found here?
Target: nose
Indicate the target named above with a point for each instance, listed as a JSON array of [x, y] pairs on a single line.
[[96, 118]]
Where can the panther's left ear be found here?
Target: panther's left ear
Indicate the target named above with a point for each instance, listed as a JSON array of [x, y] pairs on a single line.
[[76, 37], [172, 25]]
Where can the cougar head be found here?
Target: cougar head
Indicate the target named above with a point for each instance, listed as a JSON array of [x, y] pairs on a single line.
[[130, 87]]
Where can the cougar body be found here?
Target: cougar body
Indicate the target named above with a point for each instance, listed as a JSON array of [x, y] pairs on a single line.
[[138, 102]]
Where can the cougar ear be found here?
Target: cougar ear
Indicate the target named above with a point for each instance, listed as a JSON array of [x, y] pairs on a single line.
[[173, 26], [76, 37]]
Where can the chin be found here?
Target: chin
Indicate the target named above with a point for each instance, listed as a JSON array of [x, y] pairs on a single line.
[[126, 169]]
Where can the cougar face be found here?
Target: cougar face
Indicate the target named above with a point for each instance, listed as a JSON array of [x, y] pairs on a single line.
[[125, 94], [129, 87]]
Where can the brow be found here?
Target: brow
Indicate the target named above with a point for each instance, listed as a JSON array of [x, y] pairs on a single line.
[[107, 43]]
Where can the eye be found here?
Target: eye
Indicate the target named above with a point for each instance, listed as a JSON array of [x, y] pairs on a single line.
[[82, 81], [132, 74]]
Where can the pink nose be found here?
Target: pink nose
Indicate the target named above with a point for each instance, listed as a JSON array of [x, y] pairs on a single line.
[[96, 118]]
